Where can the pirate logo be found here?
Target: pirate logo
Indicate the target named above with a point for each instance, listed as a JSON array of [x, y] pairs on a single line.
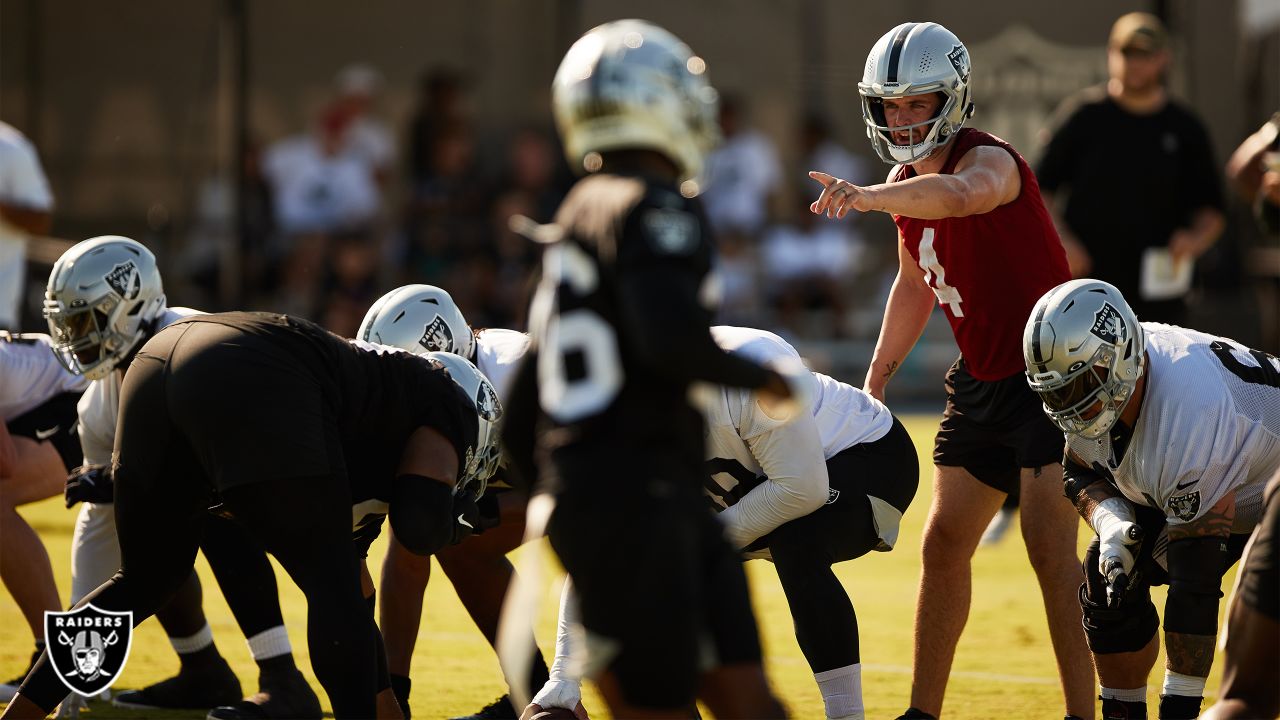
[[1107, 324], [436, 336], [125, 280], [832, 496], [1185, 506], [487, 403], [88, 647], [959, 58]]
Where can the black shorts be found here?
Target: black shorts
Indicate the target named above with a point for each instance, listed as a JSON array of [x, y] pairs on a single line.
[[657, 582], [994, 429], [846, 527], [1258, 573], [53, 421], [246, 408]]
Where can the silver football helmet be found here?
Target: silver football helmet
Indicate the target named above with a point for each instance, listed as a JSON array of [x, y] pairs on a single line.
[[913, 59], [482, 460], [419, 319], [629, 84], [103, 299], [1084, 351]]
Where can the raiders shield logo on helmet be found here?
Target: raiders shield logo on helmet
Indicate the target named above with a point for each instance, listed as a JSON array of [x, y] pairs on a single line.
[[437, 337], [124, 280], [487, 403], [88, 647], [1107, 324], [959, 58], [1185, 506]]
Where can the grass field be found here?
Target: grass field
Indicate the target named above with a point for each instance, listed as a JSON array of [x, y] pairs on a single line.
[[1004, 665]]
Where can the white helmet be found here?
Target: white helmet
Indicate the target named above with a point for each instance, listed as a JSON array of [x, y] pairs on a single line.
[[103, 300], [482, 460], [419, 319], [629, 84], [1085, 352], [913, 59]]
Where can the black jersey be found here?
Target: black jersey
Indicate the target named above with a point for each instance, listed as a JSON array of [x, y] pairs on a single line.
[[621, 326], [373, 397]]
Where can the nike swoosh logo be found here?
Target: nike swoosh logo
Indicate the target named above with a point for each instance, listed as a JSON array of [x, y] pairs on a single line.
[[464, 523], [1181, 486], [46, 434]]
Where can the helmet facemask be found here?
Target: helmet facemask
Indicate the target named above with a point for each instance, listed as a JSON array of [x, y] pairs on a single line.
[[940, 129], [1089, 399], [86, 337]]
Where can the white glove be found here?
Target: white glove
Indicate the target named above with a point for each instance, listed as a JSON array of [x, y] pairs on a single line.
[[1113, 520], [559, 694]]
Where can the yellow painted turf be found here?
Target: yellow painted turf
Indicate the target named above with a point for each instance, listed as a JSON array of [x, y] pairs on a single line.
[[1004, 665]]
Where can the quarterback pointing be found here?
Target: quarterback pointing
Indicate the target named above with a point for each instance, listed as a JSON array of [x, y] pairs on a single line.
[[1172, 435]]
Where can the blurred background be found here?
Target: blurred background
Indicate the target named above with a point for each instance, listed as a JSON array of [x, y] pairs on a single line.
[[307, 155]]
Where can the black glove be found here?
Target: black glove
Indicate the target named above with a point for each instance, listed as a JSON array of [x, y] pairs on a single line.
[[466, 517], [90, 483]]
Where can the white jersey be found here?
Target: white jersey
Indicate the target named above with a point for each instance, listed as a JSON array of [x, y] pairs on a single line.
[[498, 354], [99, 407], [30, 374], [1209, 424], [745, 445]]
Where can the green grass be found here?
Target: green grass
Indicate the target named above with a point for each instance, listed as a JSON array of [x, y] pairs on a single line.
[[1004, 665]]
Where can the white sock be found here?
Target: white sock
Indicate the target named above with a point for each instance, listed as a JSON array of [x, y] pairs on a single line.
[[1138, 694], [842, 691], [1179, 684], [270, 643], [193, 643]]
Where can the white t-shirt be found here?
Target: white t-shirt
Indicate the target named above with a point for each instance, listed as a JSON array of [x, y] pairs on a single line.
[[30, 374], [1209, 424], [99, 407], [22, 184], [314, 192], [741, 174], [745, 444]]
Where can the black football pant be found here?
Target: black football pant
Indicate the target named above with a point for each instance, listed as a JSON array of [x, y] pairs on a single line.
[[804, 549]]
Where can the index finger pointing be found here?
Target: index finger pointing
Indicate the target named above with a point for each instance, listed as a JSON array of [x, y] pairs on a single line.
[[822, 177]]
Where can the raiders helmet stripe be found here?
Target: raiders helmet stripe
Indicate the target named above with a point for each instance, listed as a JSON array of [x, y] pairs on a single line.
[[896, 52], [1037, 353]]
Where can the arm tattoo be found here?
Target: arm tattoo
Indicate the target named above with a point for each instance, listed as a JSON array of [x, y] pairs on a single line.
[[1189, 654], [1092, 496], [890, 368], [1216, 521]]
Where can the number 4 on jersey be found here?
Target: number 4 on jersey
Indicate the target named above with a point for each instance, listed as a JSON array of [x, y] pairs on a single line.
[[947, 295]]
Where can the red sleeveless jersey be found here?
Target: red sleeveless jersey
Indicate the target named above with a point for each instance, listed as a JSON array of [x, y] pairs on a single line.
[[988, 270]]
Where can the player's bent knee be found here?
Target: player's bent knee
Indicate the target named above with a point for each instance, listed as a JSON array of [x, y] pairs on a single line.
[[1127, 628]]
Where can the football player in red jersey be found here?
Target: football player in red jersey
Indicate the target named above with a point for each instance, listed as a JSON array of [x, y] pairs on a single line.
[[976, 237]]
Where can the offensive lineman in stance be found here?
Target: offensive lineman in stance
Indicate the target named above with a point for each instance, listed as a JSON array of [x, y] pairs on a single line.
[[293, 430], [617, 442], [976, 239], [1172, 435], [828, 487]]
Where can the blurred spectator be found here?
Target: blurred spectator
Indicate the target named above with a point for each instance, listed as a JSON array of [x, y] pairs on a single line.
[[818, 149], [445, 220], [806, 263], [318, 191], [26, 205], [356, 88], [351, 285], [1142, 197], [1254, 170], [741, 175], [440, 105]]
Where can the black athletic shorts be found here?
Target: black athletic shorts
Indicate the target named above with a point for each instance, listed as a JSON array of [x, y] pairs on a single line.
[[993, 429], [657, 582], [1258, 573], [846, 527], [245, 406], [53, 421]]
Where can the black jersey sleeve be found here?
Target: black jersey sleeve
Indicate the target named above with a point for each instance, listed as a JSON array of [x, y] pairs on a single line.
[[663, 258], [519, 425], [439, 403]]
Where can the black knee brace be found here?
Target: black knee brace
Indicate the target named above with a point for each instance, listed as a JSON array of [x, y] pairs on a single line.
[[1127, 628]]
